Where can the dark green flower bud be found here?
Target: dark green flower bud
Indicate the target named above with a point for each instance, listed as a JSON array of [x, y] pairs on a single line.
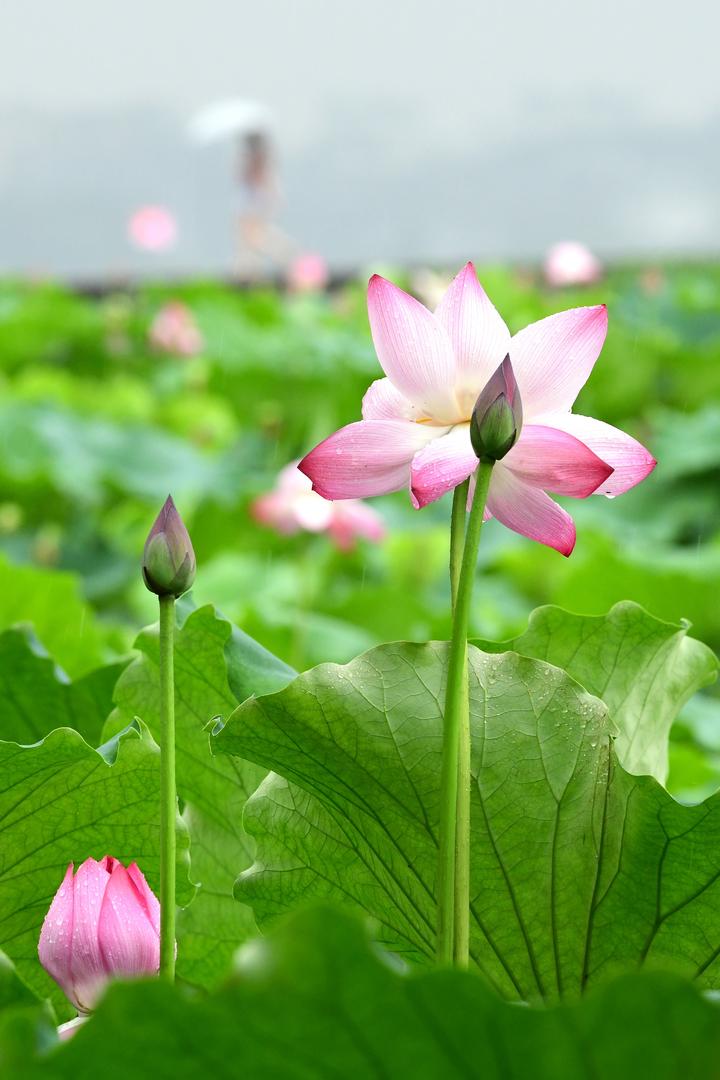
[[496, 421], [168, 559]]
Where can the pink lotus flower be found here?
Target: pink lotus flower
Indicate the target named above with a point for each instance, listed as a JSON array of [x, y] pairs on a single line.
[[152, 228], [353, 520], [308, 273], [570, 263], [415, 429], [293, 506], [175, 331], [104, 922]]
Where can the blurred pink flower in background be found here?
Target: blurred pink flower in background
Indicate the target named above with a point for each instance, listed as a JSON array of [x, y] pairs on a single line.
[[152, 228], [415, 431], [175, 331], [308, 273], [103, 923], [352, 520], [571, 263], [292, 506]]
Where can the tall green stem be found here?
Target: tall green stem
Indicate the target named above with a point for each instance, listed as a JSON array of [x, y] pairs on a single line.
[[168, 794], [454, 855], [457, 536], [461, 912]]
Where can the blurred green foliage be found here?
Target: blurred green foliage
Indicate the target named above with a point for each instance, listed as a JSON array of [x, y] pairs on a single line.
[[97, 426]]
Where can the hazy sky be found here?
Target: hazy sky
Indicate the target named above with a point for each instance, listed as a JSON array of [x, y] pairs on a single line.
[[406, 124]]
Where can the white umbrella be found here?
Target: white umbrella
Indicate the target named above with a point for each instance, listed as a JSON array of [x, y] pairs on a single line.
[[225, 119]]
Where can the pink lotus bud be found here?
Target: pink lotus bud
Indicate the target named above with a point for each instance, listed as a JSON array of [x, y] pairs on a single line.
[[496, 420], [168, 558], [103, 923], [175, 331]]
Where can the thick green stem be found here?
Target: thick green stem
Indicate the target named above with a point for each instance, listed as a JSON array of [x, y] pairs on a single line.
[[457, 536], [461, 912], [454, 856], [168, 794]]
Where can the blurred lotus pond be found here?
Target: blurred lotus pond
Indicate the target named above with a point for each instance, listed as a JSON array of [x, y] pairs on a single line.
[[111, 401]]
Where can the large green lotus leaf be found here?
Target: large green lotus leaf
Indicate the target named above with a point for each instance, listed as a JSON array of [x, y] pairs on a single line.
[[578, 868], [216, 666], [61, 801], [643, 669], [51, 601], [315, 1000], [679, 582], [36, 696]]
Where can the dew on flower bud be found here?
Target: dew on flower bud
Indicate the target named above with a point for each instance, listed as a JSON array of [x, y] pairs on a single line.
[[120, 933]]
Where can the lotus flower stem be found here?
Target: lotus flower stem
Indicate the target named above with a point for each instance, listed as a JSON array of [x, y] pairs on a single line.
[[462, 821], [168, 793], [168, 570], [454, 856], [457, 536]]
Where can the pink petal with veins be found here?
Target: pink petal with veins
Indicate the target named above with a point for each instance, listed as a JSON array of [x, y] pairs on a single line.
[[129, 943], [89, 973], [529, 511], [441, 466], [479, 336], [414, 349], [55, 944], [553, 358], [630, 461], [370, 457], [555, 461], [147, 897], [383, 402]]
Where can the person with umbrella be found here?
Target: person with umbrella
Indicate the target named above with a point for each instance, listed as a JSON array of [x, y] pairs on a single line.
[[261, 244]]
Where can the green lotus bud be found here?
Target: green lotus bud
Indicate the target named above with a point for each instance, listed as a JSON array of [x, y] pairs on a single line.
[[168, 559], [496, 421]]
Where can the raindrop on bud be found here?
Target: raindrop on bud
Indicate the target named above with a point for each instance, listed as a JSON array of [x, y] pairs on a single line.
[[103, 924]]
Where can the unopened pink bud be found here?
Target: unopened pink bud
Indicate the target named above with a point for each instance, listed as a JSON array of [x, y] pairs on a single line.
[[168, 558], [103, 923], [496, 420]]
